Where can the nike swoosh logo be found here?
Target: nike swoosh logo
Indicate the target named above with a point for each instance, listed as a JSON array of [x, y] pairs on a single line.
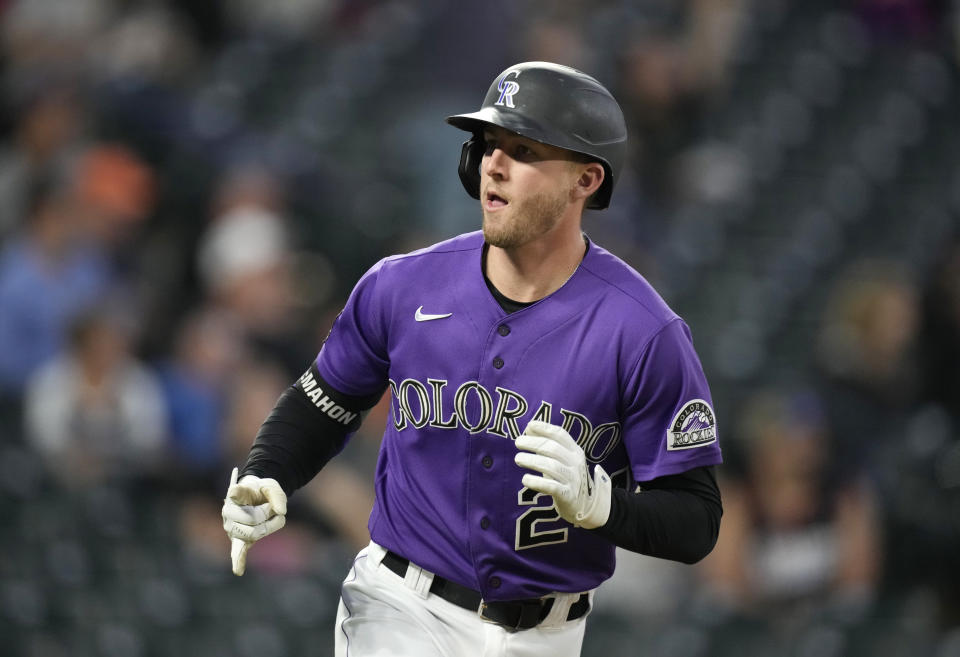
[[421, 316]]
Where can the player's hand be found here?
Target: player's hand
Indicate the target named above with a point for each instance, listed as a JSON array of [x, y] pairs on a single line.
[[253, 508], [581, 499]]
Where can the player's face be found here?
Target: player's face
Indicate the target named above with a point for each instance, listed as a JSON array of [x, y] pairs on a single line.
[[525, 188]]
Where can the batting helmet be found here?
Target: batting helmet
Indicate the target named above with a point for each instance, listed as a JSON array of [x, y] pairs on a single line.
[[552, 104]]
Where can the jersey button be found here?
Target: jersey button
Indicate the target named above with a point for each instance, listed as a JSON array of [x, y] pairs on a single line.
[[503, 330], [498, 362], [495, 582], [487, 461], [484, 522]]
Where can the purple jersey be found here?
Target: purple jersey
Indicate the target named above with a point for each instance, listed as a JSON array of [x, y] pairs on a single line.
[[603, 356]]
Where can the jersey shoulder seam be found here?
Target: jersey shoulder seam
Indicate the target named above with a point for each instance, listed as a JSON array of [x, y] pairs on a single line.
[[656, 334], [452, 246], [642, 352], [671, 314]]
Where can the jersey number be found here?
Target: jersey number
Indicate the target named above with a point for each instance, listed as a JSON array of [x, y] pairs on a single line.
[[529, 534]]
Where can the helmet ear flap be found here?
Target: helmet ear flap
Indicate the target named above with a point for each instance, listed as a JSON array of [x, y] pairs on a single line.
[[470, 157]]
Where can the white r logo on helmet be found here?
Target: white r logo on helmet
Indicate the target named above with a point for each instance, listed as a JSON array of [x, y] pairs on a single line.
[[507, 89]]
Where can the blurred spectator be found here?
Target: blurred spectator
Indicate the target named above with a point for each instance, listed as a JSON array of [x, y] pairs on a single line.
[[116, 191], [663, 104], [254, 387], [244, 265], [199, 530], [52, 34], [207, 352], [149, 42], [47, 124], [557, 40], [48, 275], [95, 413], [244, 259], [794, 540], [665, 593], [343, 499], [867, 353], [669, 70]]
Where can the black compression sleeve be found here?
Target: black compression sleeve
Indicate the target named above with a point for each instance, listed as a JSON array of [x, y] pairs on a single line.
[[676, 517], [307, 427]]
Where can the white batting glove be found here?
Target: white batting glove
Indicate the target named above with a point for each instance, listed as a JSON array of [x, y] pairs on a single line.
[[253, 508], [581, 499]]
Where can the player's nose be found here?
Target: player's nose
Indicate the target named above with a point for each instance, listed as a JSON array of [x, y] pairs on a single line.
[[495, 163]]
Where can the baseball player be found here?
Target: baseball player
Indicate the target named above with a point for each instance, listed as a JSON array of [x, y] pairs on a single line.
[[546, 404]]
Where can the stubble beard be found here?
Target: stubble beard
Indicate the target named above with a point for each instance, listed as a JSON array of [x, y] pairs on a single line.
[[530, 219]]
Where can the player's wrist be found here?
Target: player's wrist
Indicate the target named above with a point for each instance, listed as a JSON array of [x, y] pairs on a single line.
[[251, 479], [597, 511]]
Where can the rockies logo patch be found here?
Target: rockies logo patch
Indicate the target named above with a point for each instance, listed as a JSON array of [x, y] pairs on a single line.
[[693, 426]]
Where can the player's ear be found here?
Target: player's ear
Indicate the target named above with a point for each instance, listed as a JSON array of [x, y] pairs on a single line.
[[588, 181]]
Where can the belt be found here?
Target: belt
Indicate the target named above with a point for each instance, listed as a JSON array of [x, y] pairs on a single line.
[[515, 614]]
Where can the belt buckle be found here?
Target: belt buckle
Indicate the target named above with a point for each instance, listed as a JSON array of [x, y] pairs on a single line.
[[482, 609], [521, 617]]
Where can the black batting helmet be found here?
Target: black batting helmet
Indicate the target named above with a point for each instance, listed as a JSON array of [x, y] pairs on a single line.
[[552, 104]]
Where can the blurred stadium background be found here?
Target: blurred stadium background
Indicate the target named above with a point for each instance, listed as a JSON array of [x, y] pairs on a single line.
[[188, 191]]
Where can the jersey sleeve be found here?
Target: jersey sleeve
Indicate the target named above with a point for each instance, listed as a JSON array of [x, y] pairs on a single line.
[[669, 423], [354, 357]]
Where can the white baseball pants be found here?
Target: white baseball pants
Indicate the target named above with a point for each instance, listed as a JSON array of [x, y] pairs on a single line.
[[382, 614]]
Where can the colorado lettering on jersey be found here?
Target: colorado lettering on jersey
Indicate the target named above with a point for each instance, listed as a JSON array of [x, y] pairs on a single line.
[[319, 399], [417, 404]]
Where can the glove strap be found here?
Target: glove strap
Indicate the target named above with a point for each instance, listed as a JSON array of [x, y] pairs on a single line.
[[597, 511]]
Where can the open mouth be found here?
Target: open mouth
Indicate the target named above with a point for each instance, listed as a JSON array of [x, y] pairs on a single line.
[[493, 200]]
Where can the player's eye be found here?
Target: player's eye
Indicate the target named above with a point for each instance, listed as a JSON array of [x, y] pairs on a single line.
[[522, 152]]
